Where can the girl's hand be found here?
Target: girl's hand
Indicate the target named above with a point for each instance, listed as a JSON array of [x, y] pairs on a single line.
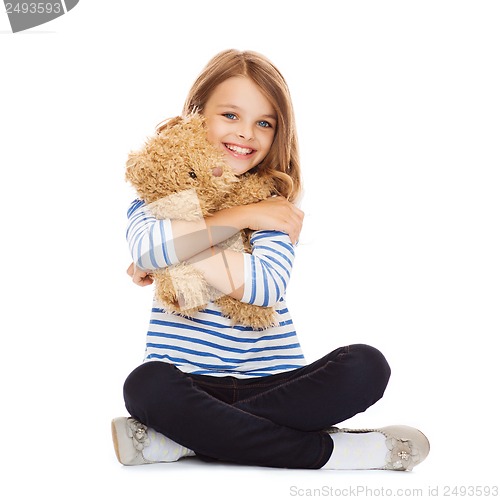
[[139, 277], [275, 214]]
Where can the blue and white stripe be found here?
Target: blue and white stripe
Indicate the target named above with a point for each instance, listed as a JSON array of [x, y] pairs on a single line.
[[267, 268], [150, 240], [207, 343]]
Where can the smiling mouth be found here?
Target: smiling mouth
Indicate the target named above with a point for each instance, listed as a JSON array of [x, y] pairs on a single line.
[[238, 150]]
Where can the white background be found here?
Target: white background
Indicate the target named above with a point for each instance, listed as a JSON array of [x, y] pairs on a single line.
[[398, 109]]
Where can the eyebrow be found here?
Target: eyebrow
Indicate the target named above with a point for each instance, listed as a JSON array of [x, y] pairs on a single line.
[[237, 108]]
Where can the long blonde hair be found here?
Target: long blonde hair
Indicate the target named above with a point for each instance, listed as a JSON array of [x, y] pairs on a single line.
[[282, 161]]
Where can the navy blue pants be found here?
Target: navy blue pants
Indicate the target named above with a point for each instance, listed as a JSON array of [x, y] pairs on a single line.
[[273, 421]]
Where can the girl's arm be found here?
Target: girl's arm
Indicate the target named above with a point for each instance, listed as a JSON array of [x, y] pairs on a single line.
[[156, 243], [259, 278]]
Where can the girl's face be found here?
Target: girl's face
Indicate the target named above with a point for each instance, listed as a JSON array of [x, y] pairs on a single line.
[[241, 122]]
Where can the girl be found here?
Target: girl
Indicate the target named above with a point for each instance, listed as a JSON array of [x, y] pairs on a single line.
[[230, 393]]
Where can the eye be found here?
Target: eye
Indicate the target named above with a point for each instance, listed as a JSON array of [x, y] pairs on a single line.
[[230, 116], [264, 124], [192, 175]]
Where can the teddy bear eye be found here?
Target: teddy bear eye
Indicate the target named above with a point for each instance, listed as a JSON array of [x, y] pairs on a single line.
[[192, 175]]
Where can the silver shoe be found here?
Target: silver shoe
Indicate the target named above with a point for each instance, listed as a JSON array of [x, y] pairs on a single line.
[[407, 446], [130, 437]]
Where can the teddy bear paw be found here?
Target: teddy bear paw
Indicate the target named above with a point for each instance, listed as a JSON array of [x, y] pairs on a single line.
[[240, 313]]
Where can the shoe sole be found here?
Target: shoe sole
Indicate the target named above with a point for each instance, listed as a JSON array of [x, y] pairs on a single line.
[[114, 433]]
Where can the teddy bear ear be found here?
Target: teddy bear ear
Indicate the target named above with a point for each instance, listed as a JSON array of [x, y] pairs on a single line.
[[131, 167], [131, 161], [169, 123], [175, 121]]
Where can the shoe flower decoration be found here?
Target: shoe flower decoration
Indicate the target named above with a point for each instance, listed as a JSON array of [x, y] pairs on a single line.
[[138, 433], [401, 455]]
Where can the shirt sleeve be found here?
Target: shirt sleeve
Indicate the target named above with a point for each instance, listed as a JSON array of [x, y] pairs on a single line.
[[150, 240], [267, 268]]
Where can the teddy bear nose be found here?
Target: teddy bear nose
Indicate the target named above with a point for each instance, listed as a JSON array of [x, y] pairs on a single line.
[[217, 171]]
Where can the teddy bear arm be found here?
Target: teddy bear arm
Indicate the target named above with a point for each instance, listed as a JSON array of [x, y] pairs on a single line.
[[241, 313], [181, 288]]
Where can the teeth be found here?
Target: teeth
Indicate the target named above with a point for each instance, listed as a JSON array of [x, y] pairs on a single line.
[[237, 149]]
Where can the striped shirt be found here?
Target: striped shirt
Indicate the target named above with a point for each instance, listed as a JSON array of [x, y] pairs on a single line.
[[207, 343]]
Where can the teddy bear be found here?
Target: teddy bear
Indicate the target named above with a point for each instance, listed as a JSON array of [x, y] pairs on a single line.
[[180, 175]]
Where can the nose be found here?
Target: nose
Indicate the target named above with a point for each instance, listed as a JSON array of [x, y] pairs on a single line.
[[246, 132]]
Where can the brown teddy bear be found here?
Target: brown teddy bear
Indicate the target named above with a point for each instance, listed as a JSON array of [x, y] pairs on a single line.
[[180, 175]]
